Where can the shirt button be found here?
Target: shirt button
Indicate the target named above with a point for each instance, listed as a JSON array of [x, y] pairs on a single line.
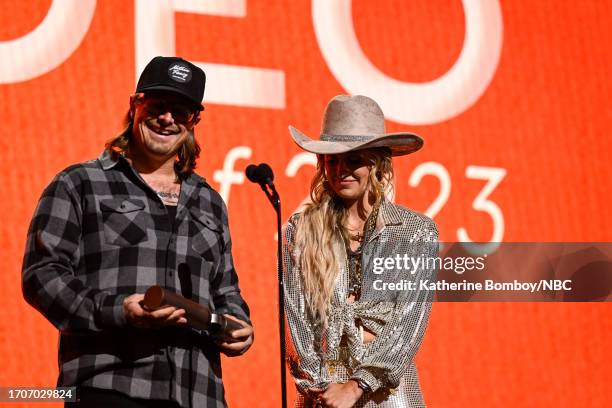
[[161, 206]]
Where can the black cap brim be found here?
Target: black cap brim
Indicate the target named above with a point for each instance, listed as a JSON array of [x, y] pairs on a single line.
[[178, 91]]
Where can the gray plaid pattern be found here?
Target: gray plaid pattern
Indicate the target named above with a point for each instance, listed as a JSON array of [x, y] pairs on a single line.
[[319, 356], [100, 234]]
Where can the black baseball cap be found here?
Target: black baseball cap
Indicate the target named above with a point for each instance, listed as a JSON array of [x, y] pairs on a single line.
[[176, 75]]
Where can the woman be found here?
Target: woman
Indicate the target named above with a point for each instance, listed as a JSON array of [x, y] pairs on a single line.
[[353, 342]]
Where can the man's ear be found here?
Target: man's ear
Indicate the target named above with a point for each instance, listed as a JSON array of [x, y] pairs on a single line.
[[134, 99], [197, 119]]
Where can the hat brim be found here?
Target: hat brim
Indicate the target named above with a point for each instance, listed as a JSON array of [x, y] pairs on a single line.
[[400, 144], [197, 104]]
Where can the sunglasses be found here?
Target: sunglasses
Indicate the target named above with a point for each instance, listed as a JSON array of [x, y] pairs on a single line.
[[180, 113], [353, 159]]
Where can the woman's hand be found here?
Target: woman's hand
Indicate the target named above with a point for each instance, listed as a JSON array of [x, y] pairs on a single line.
[[341, 395]]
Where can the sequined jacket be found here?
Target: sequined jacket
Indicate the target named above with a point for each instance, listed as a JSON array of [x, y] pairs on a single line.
[[398, 318]]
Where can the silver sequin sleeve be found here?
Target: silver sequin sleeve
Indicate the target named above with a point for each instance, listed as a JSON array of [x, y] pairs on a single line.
[[304, 361]]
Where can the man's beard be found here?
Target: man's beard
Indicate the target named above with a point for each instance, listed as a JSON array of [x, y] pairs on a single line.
[[164, 149], [153, 125]]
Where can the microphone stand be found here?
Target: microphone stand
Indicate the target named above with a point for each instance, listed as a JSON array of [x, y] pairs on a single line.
[[274, 199]]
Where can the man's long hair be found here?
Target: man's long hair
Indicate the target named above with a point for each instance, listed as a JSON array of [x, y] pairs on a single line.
[[187, 154], [321, 232]]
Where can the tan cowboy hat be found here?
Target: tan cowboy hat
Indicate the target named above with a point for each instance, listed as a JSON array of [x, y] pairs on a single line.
[[352, 123]]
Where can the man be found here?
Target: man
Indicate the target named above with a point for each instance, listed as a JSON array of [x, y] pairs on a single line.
[[106, 230]]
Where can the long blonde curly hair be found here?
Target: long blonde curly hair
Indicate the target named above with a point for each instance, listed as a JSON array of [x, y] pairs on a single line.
[[321, 228]]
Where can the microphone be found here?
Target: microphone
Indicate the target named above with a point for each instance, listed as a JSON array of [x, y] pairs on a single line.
[[265, 174], [251, 173], [261, 174]]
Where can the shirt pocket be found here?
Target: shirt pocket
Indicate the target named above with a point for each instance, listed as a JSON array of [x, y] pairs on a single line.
[[125, 221], [207, 239]]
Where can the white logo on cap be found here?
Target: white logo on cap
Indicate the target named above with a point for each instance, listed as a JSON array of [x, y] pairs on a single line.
[[179, 73]]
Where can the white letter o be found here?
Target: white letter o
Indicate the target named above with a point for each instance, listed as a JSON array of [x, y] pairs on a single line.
[[49, 44], [405, 102]]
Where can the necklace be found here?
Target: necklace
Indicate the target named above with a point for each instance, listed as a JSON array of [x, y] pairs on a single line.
[[356, 237], [353, 258]]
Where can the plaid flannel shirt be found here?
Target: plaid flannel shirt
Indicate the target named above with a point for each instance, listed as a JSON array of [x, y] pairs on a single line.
[[100, 234]]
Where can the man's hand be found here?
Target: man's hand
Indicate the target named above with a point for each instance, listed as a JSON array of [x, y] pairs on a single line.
[[137, 316], [244, 338], [339, 395]]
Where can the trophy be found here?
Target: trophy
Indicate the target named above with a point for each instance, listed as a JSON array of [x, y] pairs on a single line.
[[198, 316]]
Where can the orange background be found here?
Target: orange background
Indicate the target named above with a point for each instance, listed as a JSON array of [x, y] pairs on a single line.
[[544, 118]]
